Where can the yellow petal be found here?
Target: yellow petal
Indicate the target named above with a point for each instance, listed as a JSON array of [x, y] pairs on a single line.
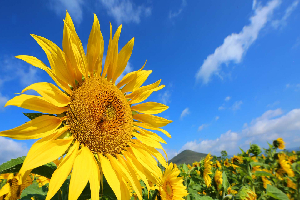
[[5, 189], [37, 63], [62, 172], [36, 103], [150, 134], [112, 54], [136, 166], [46, 153], [151, 119], [123, 58], [67, 48], [37, 128], [144, 95], [110, 175], [127, 78], [134, 84], [131, 175], [148, 126], [143, 89], [95, 48], [56, 59], [50, 93], [75, 51], [152, 151], [146, 140], [150, 108], [80, 174], [94, 177]]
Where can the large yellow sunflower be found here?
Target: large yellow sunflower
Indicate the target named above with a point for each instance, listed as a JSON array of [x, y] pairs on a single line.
[[104, 131], [170, 185]]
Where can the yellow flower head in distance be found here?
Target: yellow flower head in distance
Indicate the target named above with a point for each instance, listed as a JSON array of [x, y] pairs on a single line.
[[265, 181], [207, 170], [291, 184], [218, 178], [263, 156], [237, 159], [170, 185], [281, 143], [285, 165], [219, 165], [231, 191], [226, 163], [12, 190], [98, 126]]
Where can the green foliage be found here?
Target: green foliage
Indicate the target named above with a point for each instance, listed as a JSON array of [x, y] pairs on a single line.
[[255, 149], [276, 193]]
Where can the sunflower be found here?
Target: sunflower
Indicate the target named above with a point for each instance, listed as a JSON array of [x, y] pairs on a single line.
[[218, 178], [279, 143], [171, 186], [207, 170], [96, 125], [245, 193], [237, 159], [291, 184], [226, 163], [265, 181], [285, 166], [231, 191], [12, 190], [218, 164]]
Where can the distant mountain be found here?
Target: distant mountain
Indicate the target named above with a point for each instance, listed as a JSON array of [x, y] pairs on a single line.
[[188, 157]]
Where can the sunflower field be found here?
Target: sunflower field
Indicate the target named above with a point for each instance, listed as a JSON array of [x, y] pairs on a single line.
[[249, 175]]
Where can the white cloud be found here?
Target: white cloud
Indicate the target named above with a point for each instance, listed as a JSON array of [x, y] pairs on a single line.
[[236, 45], [217, 118], [184, 113], [227, 141], [282, 22], [175, 14], [10, 149], [74, 7], [269, 126], [125, 11], [202, 126], [165, 97], [287, 85], [236, 105], [221, 108], [227, 98], [254, 4]]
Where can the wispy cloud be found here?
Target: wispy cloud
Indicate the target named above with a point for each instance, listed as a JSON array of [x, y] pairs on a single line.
[[236, 45], [10, 149], [176, 13], [227, 98], [217, 118], [3, 100], [184, 113], [200, 128], [271, 105], [125, 11], [221, 107], [165, 97], [282, 22], [236, 105], [74, 7]]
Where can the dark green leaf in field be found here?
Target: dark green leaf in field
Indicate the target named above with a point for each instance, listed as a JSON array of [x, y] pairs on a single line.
[[276, 193], [253, 164], [34, 190], [262, 173], [185, 168], [206, 198], [12, 166], [225, 181]]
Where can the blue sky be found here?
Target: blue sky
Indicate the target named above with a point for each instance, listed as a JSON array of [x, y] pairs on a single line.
[[231, 68]]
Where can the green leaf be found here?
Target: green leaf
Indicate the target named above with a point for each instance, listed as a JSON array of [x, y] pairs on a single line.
[[262, 173], [45, 170], [225, 181], [34, 190], [206, 198], [35, 115], [276, 193], [185, 168], [253, 164], [12, 166]]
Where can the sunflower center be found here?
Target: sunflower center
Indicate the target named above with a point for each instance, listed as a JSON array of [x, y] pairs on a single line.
[[100, 117], [168, 189]]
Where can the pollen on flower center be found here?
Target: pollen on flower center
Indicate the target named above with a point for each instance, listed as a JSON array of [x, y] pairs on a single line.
[[100, 117]]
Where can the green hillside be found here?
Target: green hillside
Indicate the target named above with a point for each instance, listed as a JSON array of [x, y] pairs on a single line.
[[187, 157]]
